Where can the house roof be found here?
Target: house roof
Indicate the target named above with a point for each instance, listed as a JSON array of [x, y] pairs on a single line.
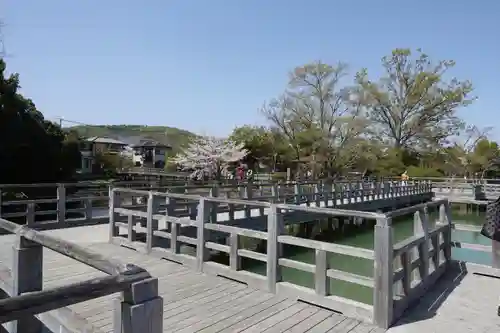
[[102, 139]]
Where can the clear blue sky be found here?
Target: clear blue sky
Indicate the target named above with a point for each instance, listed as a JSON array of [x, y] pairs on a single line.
[[209, 65]]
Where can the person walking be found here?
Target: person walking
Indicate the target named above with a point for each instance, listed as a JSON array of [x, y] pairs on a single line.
[[404, 178]]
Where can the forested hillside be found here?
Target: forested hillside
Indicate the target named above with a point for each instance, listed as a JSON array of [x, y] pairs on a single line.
[[163, 134]]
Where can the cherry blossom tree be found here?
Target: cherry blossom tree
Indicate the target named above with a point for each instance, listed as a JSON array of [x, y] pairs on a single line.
[[208, 155]]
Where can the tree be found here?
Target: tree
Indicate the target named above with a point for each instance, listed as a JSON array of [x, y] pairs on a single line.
[[485, 157], [107, 163], [317, 115], [414, 104], [32, 149], [210, 156], [266, 147], [457, 156]]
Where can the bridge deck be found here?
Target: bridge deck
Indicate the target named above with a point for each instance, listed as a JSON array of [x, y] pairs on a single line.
[[465, 300], [193, 302]]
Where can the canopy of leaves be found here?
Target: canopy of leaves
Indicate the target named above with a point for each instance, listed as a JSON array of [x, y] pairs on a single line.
[[31, 149], [414, 104]]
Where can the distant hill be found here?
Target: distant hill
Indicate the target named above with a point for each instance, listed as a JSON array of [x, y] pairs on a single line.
[[175, 137]]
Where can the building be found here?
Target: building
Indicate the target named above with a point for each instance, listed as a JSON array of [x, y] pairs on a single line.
[[150, 153], [93, 146]]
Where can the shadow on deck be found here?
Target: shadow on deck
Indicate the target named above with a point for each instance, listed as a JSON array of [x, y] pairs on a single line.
[[465, 299]]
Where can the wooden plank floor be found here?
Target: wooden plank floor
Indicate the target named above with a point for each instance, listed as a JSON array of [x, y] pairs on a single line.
[[193, 302], [465, 300]]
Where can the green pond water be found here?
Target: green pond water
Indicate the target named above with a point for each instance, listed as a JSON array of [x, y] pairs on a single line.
[[364, 238]]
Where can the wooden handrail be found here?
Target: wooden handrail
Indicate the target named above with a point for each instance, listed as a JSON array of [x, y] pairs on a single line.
[[27, 299]]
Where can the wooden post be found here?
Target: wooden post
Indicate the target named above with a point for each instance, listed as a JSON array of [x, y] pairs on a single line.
[[203, 216], [27, 275], [30, 214], [420, 226], [247, 194], [274, 219], [274, 194], [214, 192], [383, 274], [140, 310], [150, 223], [61, 203], [88, 209], [297, 193], [317, 194], [321, 281], [234, 258], [174, 227], [114, 202]]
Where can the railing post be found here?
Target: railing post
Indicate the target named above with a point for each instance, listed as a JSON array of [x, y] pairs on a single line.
[[114, 202], [174, 227], [321, 281], [140, 310], [383, 274], [202, 218], [88, 209], [297, 193], [61, 203], [421, 227], [234, 258], [27, 275], [150, 225], [30, 214], [273, 271]]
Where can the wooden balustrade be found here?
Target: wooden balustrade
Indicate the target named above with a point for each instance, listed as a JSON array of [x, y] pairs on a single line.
[[425, 246], [140, 309], [84, 204]]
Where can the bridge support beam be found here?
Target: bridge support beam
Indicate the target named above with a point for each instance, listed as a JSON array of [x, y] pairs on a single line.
[[140, 310]]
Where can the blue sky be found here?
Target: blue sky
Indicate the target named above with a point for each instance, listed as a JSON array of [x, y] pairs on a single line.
[[208, 66]]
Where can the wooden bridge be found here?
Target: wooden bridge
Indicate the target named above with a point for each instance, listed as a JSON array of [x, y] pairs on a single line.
[[79, 204], [416, 284]]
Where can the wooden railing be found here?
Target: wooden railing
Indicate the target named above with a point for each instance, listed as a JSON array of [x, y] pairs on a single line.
[[428, 251], [27, 298], [387, 305], [472, 189], [72, 204], [56, 205]]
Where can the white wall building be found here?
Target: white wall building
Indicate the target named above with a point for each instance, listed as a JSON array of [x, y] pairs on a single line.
[[150, 154]]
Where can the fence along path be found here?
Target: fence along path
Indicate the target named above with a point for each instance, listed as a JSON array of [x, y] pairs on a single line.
[[432, 242], [22, 282]]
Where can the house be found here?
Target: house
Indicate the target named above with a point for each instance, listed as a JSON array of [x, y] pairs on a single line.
[[93, 146], [150, 153]]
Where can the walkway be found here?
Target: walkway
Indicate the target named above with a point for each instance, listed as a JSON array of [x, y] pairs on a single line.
[[193, 302], [465, 300]]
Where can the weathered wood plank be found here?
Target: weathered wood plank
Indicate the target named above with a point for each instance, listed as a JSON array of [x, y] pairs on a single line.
[[249, 317], [328, 324], [293, 320]]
